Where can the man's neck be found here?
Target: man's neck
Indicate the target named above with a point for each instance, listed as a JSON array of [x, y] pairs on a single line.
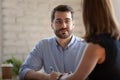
[[64, 42]]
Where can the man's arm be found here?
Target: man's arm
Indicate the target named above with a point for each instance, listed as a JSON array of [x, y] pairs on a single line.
[[35, 75], [32, 64]]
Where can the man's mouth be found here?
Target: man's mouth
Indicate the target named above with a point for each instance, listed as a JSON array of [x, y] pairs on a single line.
[[63, 30]]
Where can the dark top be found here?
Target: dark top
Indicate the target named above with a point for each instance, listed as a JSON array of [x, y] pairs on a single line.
[[110, 68]]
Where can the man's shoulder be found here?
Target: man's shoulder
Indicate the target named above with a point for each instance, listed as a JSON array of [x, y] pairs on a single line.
[[79, 38], [80, 41], [46, 40]]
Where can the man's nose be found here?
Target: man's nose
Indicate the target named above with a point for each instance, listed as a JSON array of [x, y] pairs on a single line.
[[64, 24]]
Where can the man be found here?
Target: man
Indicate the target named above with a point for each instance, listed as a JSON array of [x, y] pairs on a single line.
[[60, 53]]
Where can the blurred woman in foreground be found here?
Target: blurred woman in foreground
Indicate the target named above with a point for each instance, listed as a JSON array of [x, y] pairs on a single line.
[[102, 54]]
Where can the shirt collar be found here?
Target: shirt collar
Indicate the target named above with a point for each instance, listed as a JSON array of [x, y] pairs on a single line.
[[69, 44]]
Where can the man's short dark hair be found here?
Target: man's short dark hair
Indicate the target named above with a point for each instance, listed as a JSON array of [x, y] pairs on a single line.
[[61, 8]]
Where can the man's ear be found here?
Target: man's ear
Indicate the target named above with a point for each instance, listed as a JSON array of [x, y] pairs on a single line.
[[73, 24], [51, 25]]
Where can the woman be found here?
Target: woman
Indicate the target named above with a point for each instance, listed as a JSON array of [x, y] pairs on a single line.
[[102, 55]]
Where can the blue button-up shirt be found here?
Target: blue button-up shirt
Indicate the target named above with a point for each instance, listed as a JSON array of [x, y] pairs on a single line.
[[51, 56]]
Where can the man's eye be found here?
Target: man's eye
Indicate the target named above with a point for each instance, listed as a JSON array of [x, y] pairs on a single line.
[[58, 21], [67, 21]]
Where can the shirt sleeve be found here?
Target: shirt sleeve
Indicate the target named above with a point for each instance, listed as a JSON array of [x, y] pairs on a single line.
[[32, 62]]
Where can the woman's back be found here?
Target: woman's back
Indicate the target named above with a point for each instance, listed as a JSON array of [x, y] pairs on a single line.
[[110, 68]]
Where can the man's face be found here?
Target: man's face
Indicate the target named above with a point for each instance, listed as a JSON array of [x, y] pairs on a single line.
[[62, 24]]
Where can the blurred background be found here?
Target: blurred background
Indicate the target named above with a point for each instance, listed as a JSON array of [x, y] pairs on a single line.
[[24, 22]]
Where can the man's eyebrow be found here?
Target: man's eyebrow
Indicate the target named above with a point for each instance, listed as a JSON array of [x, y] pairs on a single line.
[[67, 18], [58, 19], [64, 19]]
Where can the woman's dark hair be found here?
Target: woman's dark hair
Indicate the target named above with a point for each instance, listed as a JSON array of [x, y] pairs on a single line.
[[99, 18]]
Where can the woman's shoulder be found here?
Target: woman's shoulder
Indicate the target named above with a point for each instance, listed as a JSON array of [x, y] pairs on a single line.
[[95, 47], [97, 50]]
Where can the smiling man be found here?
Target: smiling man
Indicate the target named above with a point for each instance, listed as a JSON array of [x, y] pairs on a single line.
[[60, 53]]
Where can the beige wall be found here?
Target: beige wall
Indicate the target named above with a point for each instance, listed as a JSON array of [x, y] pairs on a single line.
[[0, 33], [0, 38], [117, 9]]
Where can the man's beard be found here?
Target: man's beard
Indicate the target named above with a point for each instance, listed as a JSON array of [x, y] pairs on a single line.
[[61, 34]]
